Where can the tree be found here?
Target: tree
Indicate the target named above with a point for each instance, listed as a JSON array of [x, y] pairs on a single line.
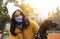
[[56, 18], [1, 2], [4, 17], [57, 9], [26, 9]]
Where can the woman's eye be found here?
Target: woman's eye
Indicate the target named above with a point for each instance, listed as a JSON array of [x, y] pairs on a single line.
[[16, 15]]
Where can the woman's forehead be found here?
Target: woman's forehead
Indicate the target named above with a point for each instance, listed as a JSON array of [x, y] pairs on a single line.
[[17, 12]]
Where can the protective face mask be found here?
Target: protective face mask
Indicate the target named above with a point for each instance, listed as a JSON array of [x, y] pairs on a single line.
[[19, 19]]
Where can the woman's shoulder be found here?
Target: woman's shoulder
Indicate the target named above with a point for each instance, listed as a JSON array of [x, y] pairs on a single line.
[[32, 22], [34, 26]]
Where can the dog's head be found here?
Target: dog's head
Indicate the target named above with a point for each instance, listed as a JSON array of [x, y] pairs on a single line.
[[49, 24]]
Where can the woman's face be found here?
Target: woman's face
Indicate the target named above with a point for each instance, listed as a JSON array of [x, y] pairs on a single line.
[[17, 14]]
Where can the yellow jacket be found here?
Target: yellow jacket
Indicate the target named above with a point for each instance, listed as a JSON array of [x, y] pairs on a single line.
[[28, 33]]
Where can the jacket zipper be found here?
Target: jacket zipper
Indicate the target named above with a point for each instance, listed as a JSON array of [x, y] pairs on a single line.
[[23, 34]]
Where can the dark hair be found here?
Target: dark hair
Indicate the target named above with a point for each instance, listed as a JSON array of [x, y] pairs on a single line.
[[25, 23]]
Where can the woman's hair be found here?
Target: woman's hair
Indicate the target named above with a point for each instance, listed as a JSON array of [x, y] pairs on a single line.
[[25, 22]]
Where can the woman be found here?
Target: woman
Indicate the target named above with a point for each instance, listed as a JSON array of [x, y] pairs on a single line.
[[21, 27]]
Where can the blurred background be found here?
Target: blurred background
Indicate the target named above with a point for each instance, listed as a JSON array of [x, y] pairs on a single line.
[[37, 10]]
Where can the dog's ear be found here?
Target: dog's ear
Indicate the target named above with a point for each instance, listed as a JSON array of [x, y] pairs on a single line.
[[45, 22], [49, 21]]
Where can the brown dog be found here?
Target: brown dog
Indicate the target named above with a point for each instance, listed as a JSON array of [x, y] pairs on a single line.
[[45, 25]]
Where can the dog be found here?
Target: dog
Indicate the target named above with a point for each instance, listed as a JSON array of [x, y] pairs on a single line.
[[45, 25]]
